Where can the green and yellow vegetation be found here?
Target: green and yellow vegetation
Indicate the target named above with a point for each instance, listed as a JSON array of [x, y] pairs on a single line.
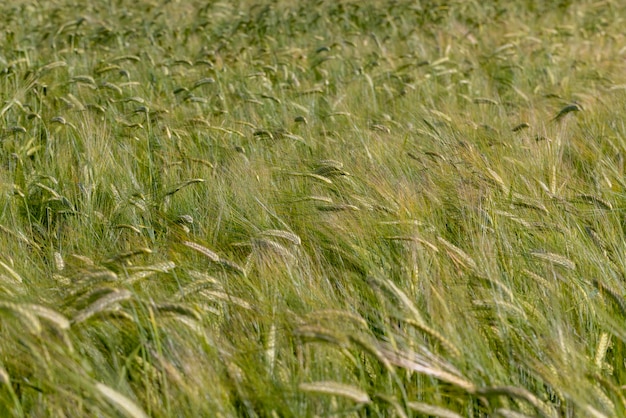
[[317, 208]]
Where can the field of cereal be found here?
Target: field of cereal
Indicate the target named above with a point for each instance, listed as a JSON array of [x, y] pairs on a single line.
[[316, 208]]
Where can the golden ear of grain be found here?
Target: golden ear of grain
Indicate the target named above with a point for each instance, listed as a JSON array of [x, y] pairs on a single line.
[[603, 345], [498, 180], [398, 408], [406, 301], [604, 204], [556, 259], [192, 324], [216, 294], [140, 275], [232, 266], [270, 348], [514, 218], [337, 389], [314, 198], [5, 379], [203, 281], [121, 402], [413, 361], [458, 255], [519, 393], [111, 86], [440, 114], [170, 370], [116, 296], [84, 79], [127, 254], [329, 168], [12, 273], [605, 401], [545, 188], [26, 317], [289, 236], [83, 260], [312, 176], [59, 263], [501, 307], [507, 413], [614, 295], [528, 203], [265, 244], [121, 58], [50, 315], [178, 309], [147, 271], [19, 235], [537, 278], [414, 239], [369, 347], [447, 345], [51, 66], [495, 283], [337, 315], [316, 333], [202, 250], [432, 410]]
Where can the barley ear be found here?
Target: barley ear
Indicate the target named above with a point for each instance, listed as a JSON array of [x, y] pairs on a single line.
[[121, 402]]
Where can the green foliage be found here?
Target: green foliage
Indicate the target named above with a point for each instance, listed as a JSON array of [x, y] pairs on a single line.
[[312, 208]]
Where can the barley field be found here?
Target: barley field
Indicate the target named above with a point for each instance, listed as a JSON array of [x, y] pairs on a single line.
[[270, 208]]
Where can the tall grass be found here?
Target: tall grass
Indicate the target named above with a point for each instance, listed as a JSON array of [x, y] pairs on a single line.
[[312, 209]]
